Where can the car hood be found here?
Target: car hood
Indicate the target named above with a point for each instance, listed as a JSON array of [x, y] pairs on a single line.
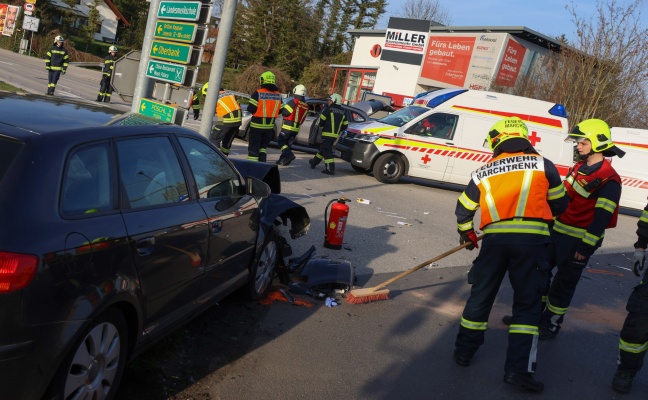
[[373, 127], [373, 106]]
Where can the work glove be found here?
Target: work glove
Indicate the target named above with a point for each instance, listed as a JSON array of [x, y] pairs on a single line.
[[638, 261], [469, 236]]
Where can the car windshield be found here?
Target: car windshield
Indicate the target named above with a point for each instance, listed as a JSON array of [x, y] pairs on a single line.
[[404, 115]]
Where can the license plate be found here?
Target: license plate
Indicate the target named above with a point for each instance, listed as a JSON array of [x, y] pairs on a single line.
[[337, 153]]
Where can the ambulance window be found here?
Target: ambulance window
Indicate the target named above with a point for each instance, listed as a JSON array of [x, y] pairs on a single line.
[[438, 125]]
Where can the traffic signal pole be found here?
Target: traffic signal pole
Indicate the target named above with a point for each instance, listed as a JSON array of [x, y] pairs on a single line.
[[218, 65]]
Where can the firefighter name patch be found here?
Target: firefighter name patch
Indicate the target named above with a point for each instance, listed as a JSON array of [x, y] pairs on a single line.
[[508, 164]]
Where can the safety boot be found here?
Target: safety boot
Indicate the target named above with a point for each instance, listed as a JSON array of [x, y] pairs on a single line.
[[329, 169], [263, 157], [100, 98], [461, 360], [622, 381], [525, 380], [547, 333], [313, 162]]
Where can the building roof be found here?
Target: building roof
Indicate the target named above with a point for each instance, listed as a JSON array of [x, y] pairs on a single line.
[[521, 32], [118, 14]]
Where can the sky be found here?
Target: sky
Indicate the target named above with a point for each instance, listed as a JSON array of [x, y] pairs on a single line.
[[548, 17]]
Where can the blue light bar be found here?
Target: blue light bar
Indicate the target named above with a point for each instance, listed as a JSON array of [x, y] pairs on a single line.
[[444, 97], [558, 110]]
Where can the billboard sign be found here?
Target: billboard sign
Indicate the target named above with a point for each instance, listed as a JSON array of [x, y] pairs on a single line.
[[447, 59], [511, 63], [8, 17], [405, 40]]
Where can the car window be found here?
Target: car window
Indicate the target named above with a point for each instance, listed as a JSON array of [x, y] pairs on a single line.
[[150, 171], [213, 175], [355, 117], [86, 183], [404, 115]]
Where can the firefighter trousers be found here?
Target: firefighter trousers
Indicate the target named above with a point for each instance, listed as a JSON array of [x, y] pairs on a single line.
[[527, 266], [633, 340], [563, 285], [285, 141], [326, 150], [53, 76], [227, 135], [258, 143]]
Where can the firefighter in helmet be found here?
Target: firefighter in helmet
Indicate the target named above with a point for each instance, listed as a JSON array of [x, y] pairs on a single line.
[[594, 190], [516, 240], [634, 334], [332, 121], [294, 113], [56, 63], [228, 110], [105, 90], [264, 105]]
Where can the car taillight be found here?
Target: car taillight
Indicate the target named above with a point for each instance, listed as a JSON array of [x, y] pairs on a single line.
[[16, 271]]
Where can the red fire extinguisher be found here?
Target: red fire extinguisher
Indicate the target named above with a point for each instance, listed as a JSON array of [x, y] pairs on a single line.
[[334, 229]]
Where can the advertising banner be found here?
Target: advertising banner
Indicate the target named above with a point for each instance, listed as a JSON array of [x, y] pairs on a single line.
[[447, 59], [405, 40], [511, 62], [8, 16]]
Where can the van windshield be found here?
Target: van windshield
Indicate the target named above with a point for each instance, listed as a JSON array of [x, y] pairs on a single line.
[[404, 115]]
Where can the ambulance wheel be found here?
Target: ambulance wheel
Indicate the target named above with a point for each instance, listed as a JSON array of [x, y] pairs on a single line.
[[389, 168], [359, 169]]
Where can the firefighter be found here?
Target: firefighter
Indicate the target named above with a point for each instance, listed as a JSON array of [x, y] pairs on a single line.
[[519, 193], [265, 104], [56, 63], [228, 110], [633, 340], [593, 188], [332, 121], [105, 90], [294, 113], [195, 103]]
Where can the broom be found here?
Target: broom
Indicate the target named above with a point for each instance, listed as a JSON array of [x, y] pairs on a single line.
[[361, 296]]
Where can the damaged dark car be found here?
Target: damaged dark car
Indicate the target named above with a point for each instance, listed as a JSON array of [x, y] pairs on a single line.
[[116, 230]]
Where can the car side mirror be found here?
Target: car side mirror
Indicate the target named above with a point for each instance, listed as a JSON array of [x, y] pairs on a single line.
[[256, 187]]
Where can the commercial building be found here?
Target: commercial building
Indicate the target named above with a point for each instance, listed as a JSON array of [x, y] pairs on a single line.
[[415, 56]]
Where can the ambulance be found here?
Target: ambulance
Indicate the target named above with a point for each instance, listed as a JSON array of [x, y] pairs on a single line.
[[633, 167], [441, 135]]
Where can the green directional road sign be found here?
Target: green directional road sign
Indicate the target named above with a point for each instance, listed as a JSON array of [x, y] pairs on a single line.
[[179, 10], [175, 52], [157, 110], [178, 31], [167, 72]]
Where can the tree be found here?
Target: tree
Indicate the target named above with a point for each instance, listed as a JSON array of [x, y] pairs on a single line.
[[136, 12], [430, 10], [90, 28], [604, 74], [69, 17]]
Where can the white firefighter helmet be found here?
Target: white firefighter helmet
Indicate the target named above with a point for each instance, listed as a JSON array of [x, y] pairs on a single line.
[[300, 90]]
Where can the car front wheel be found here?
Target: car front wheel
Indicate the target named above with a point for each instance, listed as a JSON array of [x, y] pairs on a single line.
[[389, 168], [95, 364], [264, 270]]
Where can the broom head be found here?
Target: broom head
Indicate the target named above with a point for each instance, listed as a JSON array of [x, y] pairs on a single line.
[[361, 296]]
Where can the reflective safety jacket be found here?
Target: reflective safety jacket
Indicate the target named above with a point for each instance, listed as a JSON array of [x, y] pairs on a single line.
[[264, 105], [517, 193], [333, 120], [229, 109], [294, 112], [109, 64], [592, 208], [57, 58], [642, 230], [195, 101]]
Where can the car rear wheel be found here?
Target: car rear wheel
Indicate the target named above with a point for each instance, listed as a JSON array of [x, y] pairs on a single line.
[[264, 271], [389, 168], [95, 364]]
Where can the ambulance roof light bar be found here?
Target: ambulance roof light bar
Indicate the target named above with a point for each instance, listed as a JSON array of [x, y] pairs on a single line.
[[558, 110], [433, 99]]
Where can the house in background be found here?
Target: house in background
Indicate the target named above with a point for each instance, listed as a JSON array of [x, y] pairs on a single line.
[[111, 18]]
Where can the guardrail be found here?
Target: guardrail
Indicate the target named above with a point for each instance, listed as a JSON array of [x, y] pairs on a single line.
[[88, 64]]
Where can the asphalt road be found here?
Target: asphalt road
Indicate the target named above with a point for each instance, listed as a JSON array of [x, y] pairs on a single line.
[[400, 348]]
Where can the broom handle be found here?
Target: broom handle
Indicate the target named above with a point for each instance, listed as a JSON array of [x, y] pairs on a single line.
[[428, 262]]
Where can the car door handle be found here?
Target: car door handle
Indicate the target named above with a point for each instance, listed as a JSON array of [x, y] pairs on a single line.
[[145, 246]]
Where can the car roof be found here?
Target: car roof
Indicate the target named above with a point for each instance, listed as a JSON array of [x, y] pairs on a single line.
[[28, 114]]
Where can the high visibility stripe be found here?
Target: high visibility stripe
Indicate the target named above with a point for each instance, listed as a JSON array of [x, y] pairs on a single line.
[[607, 205], [518, 226], [635, 348], [556, 193], [465, 227], [524, 193], [577, 187], [526, 329], [644, 216], [569, 230], [469, 204], [556, 310], [476, 326], [490, 201], [590, 239]]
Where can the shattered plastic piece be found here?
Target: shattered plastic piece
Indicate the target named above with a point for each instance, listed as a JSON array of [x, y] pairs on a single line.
[[330, 302], [404, 223], [363, 201]]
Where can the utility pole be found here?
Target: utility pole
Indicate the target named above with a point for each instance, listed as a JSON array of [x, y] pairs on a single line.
[[218, 65]]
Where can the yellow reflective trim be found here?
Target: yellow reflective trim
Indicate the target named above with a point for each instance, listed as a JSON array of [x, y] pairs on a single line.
[[606, 204], [512, 226], [556, 193], [377, 129], [524, 193], [526, 329], [466, 226], [569, 230], [467, 202], [632, 347], [490, 201], [556, 310], [644, 216], [590, 239], [476, 326]]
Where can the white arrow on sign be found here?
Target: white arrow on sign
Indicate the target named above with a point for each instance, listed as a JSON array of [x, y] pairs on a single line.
[[163, 9]]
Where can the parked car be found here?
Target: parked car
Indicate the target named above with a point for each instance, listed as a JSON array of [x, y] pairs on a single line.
[[115, 231], [310, 134]]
